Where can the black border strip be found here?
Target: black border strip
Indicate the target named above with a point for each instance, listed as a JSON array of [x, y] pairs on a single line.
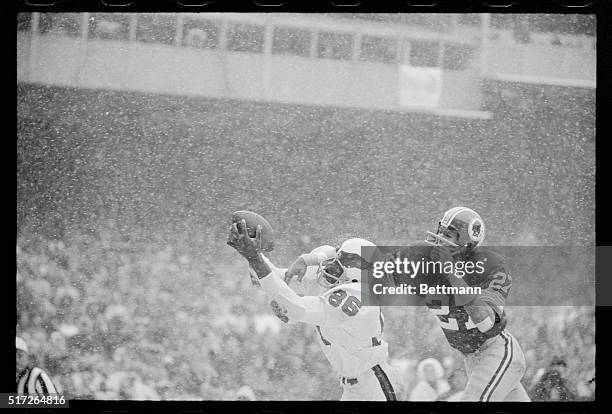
[[398, 6]]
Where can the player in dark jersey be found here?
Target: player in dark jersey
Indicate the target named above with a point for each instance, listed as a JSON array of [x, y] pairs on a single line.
[[474, 324]]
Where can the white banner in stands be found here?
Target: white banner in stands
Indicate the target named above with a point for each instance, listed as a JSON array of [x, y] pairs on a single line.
[[420, 86]]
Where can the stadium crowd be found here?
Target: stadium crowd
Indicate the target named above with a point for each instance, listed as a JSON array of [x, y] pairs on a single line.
[[113, 320], [125, 288]]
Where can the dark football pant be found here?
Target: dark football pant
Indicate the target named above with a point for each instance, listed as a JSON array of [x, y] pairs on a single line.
[[494, 371]]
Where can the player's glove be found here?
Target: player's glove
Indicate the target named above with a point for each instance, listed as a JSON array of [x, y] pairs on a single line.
[[239, 239], [297, 269]]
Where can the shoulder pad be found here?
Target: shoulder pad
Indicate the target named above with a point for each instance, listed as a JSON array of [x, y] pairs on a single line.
[[491, 258], [353, 289]]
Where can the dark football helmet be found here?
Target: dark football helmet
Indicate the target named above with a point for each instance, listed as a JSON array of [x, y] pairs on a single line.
[[461, 227]]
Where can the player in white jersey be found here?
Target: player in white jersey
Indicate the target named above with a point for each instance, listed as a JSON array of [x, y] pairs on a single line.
[[350, 334]]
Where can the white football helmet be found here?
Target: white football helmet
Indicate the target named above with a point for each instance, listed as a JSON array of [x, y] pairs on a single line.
[[346, 265]]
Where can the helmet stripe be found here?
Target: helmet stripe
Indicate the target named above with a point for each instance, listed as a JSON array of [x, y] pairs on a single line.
[[452, 214]]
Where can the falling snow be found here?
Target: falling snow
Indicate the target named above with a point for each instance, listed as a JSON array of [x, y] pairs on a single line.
[[126, 288]]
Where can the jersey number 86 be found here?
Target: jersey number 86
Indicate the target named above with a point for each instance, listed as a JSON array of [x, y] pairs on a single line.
[[351, 304]]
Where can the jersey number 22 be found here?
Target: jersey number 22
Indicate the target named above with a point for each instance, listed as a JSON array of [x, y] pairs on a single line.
[[447, 322]]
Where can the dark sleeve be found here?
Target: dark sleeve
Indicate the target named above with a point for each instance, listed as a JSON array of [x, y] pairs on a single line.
[[414, 254], [495, 287]]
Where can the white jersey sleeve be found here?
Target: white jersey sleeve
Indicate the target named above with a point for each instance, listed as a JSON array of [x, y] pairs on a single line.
[[308, 285], [324, 252], [334, 307], [290, 306], [278, 271]]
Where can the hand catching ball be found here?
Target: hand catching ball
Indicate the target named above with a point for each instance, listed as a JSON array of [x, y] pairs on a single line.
[[252, 221]]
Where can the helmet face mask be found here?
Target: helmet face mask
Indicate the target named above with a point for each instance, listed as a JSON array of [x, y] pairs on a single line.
[[444, 236], [345, 266], [330, 273]]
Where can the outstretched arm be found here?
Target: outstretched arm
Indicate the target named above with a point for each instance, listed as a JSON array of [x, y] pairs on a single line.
[[309, 309], [290, 307]]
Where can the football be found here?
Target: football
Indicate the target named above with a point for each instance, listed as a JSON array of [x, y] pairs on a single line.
[[252, 221]]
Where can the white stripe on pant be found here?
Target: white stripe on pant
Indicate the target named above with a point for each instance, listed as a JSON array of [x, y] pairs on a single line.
[[495, 371], [36, 381]]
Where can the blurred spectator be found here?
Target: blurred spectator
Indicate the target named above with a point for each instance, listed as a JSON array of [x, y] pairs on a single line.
[[31, 379], [431, 381], [449, 364], [266, 324], [245, 393], [457, 381], [553, 385], [140, 390]]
